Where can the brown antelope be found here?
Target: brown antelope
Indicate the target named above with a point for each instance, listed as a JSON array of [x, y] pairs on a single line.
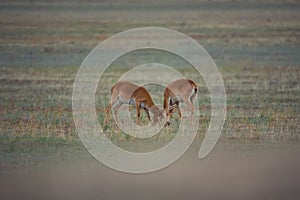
[[182, 90], [124, 92]]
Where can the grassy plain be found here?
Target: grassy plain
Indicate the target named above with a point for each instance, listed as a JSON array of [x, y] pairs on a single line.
[[255, 45]]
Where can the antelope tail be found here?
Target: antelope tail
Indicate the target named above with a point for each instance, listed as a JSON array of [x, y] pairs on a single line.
[[194, 86], [195, 90]]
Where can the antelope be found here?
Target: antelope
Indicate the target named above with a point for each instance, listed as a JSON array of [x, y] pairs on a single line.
[[182, 90], [124, 92]]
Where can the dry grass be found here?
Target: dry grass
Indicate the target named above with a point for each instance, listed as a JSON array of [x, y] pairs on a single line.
[[256, 46], [263, 103]]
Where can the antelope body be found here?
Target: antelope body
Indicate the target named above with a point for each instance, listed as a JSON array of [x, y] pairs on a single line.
[[182, 90], [124, 92]]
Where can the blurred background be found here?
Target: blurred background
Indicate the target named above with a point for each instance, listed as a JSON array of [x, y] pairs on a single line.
[[256, 46]]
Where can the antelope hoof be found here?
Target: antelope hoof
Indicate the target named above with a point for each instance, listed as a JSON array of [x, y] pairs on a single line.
[[167, 124]]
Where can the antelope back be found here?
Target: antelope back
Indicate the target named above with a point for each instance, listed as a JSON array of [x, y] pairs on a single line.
[[123, 89], [182, 87]]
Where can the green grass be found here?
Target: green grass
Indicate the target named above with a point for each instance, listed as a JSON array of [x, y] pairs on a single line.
[[262, 102]]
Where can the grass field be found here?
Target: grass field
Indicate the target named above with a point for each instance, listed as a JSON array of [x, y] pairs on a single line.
[[256, 46]]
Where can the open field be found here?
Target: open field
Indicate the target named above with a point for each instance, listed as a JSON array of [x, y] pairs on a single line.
[[256, 46]]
